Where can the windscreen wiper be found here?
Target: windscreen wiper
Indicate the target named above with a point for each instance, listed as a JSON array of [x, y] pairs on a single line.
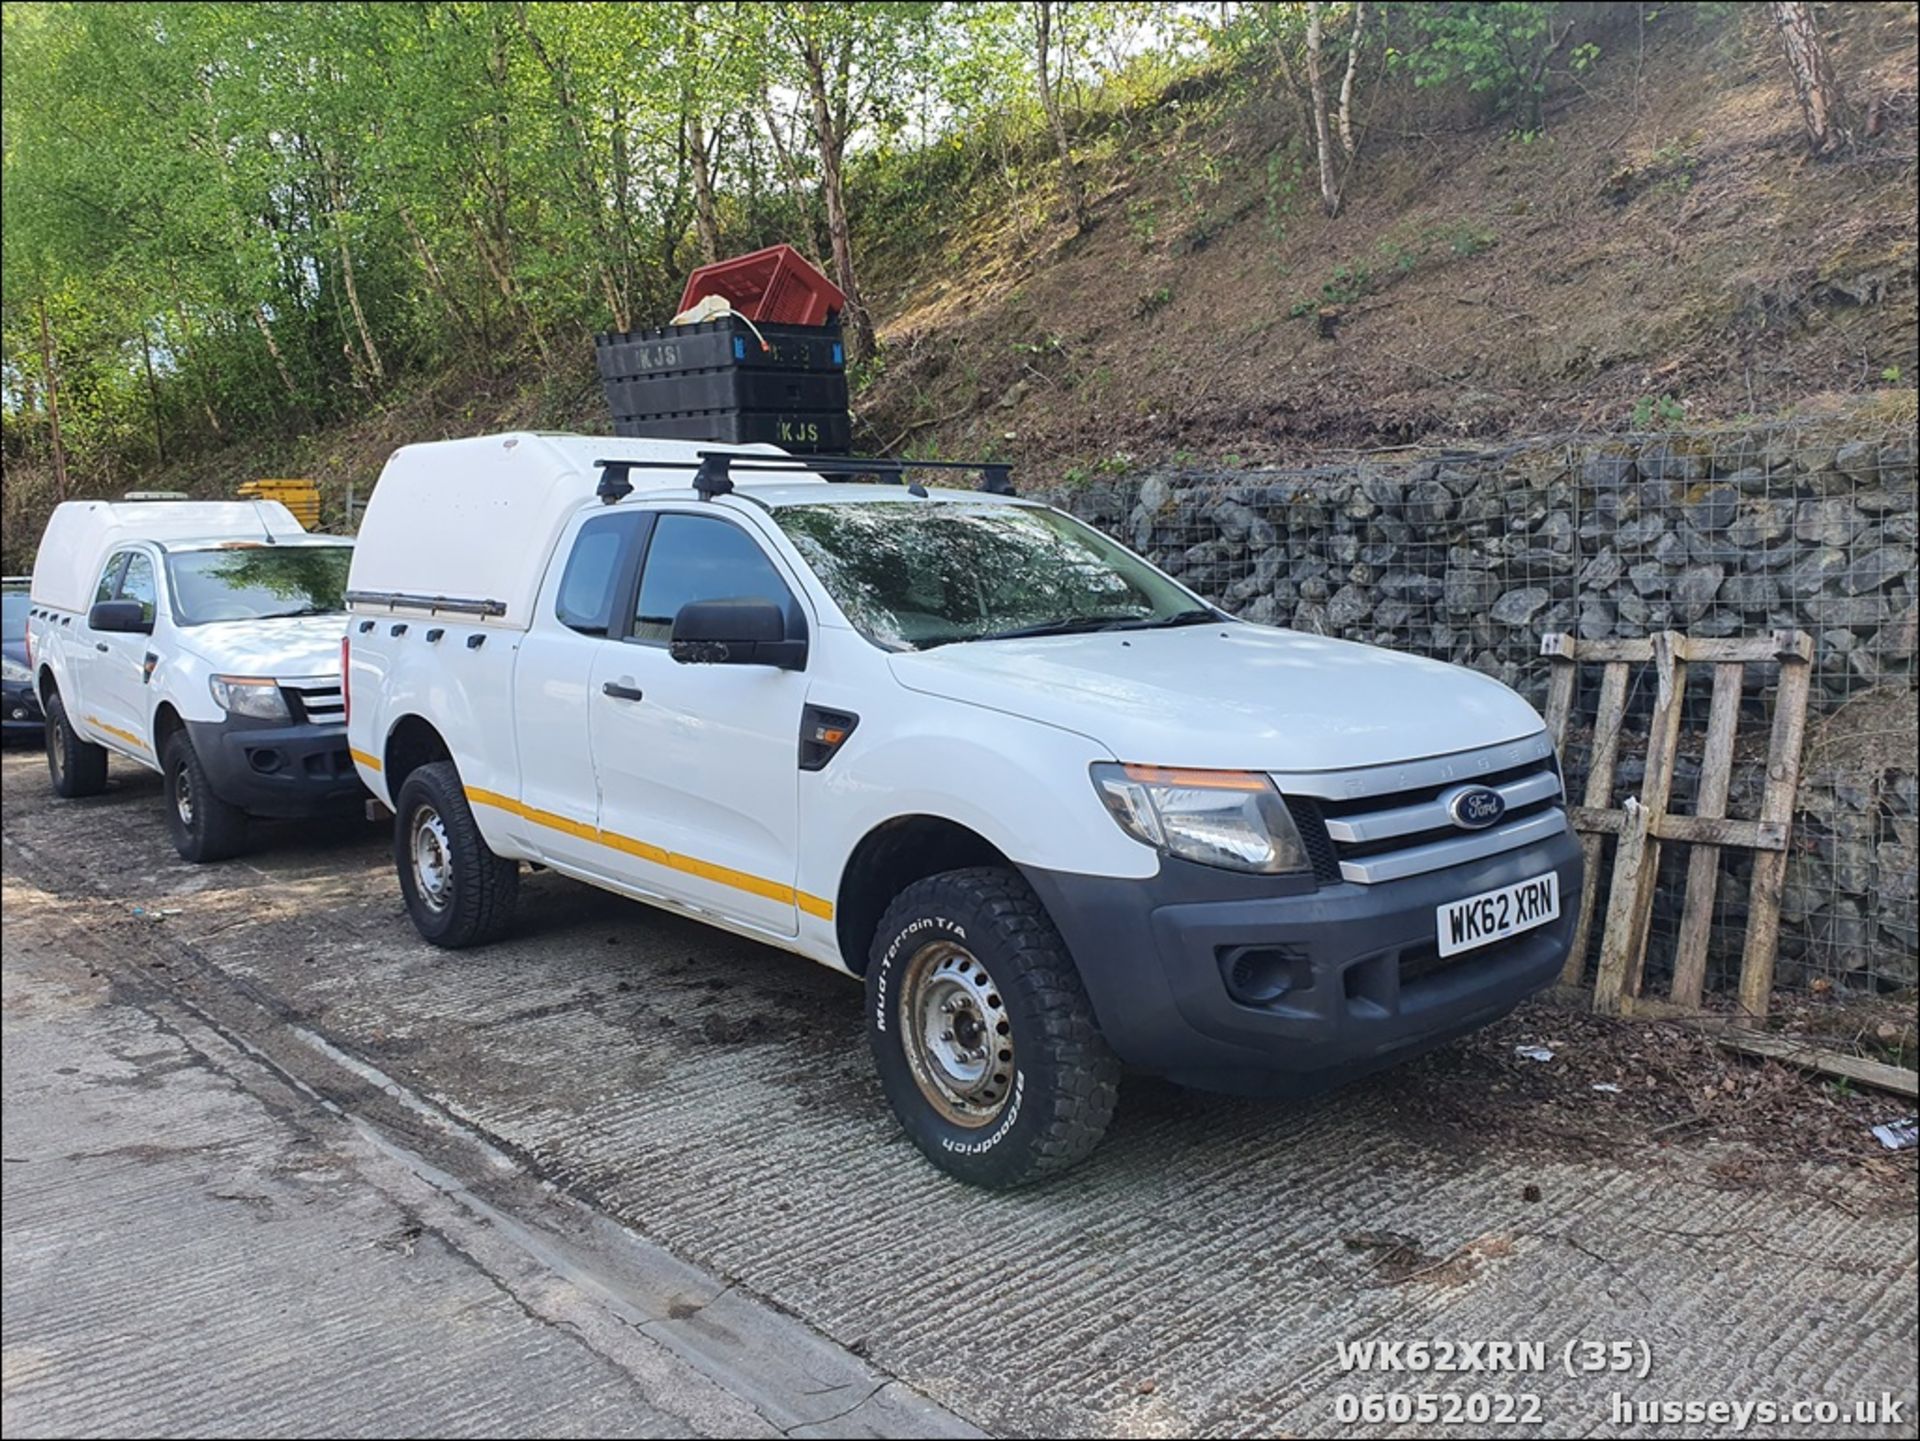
[[1067, 625], [1167, 622]]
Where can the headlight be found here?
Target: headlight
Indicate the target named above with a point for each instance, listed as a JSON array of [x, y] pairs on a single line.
[[249, 696], [14, 671], [1234, 819]]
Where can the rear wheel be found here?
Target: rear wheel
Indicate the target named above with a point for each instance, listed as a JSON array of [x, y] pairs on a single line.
[[78, 768], [457, 890], [982, 1033], [204, 827]]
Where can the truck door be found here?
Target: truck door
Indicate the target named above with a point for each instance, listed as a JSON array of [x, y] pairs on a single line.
[[591, 588], [113, 664], [122, 668], [698, 764]]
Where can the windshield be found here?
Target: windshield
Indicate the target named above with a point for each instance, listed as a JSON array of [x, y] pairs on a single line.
[[911, 575], [256, 582], [14, 615]]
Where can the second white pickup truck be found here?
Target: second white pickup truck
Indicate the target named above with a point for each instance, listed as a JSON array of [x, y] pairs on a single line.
[[199, 639], [1058, 811]]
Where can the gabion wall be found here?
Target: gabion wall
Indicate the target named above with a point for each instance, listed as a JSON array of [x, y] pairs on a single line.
[[1472, 555]]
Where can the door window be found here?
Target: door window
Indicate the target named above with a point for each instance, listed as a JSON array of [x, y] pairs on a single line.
[[597, 576], [137, 583], [699, 557], [104, 590]]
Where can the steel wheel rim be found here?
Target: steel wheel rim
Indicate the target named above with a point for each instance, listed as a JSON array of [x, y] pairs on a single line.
[[183, 793], [957, 1034], [432, 859], [57, 749]]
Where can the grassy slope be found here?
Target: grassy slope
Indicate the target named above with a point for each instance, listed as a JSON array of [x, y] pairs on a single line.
[[1666, 238]]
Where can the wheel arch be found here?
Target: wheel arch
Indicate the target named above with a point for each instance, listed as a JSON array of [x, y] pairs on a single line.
[[889, 858], [412, 742]]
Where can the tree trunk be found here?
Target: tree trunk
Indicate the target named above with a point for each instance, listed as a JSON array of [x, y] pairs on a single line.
[[153, 396], [706, 217], [1823, 105], [436, 278], [790, 176], [186, 356], [1317, 91], [1346, 82], [833, 142], [1050, 102], [50, 376], [273, 348]]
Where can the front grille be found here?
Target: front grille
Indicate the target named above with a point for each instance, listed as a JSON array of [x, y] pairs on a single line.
[[1354, 832], [319, 703]]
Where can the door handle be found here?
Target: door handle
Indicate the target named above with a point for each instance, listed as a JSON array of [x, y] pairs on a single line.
[[101, 645], [620, 691]]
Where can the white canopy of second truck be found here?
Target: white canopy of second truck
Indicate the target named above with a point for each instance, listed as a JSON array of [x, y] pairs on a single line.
[[81, 533], [495, 506]]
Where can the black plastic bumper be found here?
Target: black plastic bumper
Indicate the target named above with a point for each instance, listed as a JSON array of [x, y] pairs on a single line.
[[282, 771], [1363, 984], [20, 707]]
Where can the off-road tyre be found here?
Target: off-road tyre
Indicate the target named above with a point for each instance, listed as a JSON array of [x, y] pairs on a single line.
[[204, 827], [1061, 1080], [78, 768], [466, 895]]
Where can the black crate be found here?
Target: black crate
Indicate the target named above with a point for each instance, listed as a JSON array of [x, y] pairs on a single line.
[[718, 344], [713, 381], [821, 432], [734, 388]]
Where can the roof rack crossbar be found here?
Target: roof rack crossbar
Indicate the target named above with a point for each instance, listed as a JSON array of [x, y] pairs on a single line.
[[996, 476]]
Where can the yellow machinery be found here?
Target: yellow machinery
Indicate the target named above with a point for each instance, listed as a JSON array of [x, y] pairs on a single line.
[[302, 497]]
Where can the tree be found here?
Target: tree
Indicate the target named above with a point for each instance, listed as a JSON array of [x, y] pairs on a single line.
[[1823, 105], [851, 63], [1298, 44], [1043, 16]]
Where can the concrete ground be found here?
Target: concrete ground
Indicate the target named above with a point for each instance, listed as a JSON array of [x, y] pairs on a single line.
[[274, 1165]]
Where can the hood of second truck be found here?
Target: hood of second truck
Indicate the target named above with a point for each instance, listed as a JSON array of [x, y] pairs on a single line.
[[283, 647], [1230, 696]]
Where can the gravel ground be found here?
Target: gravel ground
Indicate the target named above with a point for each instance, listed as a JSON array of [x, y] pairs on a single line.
[[715, 1100]]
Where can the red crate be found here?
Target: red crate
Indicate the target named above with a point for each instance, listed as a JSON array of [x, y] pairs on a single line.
[[775, 284]]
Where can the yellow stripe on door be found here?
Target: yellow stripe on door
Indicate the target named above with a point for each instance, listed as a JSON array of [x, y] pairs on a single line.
[[656, 855], [128, 736]]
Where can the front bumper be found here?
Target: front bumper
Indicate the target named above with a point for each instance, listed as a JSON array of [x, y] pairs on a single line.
[[1367, 986], [275, 770], [20, 707]]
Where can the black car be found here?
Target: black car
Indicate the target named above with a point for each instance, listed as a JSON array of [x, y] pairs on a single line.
[[19, 706]]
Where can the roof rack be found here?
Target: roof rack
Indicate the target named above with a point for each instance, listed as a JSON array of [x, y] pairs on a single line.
[[717, 468]]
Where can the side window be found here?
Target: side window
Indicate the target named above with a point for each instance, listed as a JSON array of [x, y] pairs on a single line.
[[592, 584], [104, 590], [698, 557], [137, 583]]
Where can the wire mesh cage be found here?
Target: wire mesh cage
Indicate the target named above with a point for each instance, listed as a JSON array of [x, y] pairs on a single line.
[[1472, 555]]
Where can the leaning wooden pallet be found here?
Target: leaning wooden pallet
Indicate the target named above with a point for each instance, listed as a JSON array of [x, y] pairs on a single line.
[[1645, 821]]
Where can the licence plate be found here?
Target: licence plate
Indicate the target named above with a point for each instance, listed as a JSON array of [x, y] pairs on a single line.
[[1494, 915]]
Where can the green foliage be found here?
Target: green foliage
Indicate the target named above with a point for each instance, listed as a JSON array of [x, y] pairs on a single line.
[[1650, 414], [1504, 53], [1154, 300], [1397, 255]]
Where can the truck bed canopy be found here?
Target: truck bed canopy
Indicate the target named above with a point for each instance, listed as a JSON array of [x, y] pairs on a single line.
[[81, 533], [470, 524]]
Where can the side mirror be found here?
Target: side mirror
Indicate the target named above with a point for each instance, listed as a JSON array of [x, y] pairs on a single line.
[[128, 617], [735, 632]]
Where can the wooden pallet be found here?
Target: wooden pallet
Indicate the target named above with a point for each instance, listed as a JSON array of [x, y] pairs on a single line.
[[1644, 822]]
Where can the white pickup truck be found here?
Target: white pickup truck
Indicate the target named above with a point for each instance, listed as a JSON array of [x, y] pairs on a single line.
[[1060, 813], [200, 639]]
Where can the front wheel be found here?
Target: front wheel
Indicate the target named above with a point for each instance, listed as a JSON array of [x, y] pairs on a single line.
[[457, 890], [204, 827], [982, 1033], [77, 768]]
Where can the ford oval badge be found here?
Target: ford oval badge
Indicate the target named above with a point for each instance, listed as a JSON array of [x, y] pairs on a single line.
[[1476, 807]]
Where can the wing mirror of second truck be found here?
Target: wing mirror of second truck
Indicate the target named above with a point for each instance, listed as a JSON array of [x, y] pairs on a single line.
[[736, 632], [127, 617]]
